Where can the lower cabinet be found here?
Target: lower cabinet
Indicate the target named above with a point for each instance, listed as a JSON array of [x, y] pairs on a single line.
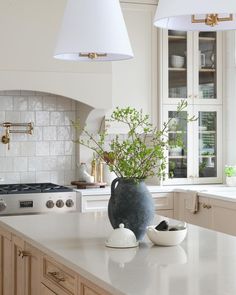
[[163, 202], [45, 290], [88, 288], [213, 213], [5, 263], [24, 270]]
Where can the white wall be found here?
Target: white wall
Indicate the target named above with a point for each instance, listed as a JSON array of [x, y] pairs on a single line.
[[28, 34], [229, 117], [47, 155]]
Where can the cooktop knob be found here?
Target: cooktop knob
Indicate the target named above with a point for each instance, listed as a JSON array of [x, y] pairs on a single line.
[[50, 204], [69, 203], [3, 205], [60, 203]]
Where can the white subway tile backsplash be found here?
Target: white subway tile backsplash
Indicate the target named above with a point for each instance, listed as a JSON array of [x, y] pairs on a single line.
[[15, 149], [49, 133], [49, 163], [27, 148], [20, 103], [69, 148], [64, 162], [58, 177], [35, 103], [57, 118], [27, 117], [12, 177], [12, 116], [27, 177], [20, 164], [57, 148], [42, 118], [42, 148], [64, 133], [47, 155], [6, 164], [42, 176], [69, 117], [6, 103]]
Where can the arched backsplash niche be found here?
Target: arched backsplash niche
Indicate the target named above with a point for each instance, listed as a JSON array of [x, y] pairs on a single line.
[[49, 155]]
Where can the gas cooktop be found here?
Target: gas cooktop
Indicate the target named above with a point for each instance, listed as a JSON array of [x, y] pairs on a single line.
[[36, 198], [30, 188]]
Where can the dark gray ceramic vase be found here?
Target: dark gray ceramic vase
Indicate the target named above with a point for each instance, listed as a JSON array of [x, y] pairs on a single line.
[[131, 203]]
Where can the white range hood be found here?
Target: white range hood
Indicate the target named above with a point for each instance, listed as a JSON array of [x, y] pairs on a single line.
[[28, 31]]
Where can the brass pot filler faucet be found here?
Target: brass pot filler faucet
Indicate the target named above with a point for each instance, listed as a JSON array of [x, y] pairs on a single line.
[[6, 137]]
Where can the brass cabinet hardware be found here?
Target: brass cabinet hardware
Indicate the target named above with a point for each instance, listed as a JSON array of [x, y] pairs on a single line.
[[23, 254], [204, 205], [208, 206], [56, 276]]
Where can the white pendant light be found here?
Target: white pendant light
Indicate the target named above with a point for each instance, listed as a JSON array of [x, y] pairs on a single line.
[[196, 15], [93, 30]]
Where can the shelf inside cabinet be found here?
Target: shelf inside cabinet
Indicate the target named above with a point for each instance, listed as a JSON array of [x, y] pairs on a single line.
[[178, 69], [176, 132], [207, 70], [177, 157], [206, 132], [207, 156], [177, 38], [207, 38]]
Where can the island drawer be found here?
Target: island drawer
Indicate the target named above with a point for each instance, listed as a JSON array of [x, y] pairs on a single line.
[[163, 201], [59, 275]]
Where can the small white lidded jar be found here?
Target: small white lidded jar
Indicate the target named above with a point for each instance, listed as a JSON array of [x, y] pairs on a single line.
[[122, 238]]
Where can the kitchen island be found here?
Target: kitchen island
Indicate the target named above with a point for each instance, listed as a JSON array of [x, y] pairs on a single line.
[[204, 264]]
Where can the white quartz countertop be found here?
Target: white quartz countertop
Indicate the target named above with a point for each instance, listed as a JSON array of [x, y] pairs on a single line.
[[204, 264], [222, 192]]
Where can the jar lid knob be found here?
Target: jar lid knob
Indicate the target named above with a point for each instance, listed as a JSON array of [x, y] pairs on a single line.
[[121, 225]]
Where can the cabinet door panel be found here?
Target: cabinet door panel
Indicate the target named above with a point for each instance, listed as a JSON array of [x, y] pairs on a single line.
[[32, 271], [223, 216], [18, 266], [46, 291], [201, 218], [5, 265]]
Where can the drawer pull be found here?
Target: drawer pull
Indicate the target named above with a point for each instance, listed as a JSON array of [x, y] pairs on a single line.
[[208, 206], [23, 254], [56, 276], [204, 205]]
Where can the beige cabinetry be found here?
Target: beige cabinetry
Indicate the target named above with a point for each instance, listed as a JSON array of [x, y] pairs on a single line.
[[24, 270], [25, 261], [163, 203], [88, 288], [213, 213], [5, 263], [134, 81], [45, 290]]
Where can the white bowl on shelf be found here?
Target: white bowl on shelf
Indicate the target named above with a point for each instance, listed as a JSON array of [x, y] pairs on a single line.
[[175, 151], [177, 61], [166, 238]]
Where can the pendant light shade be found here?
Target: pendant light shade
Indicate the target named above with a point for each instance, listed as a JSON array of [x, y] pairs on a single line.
[[93, 30], [196, 15]]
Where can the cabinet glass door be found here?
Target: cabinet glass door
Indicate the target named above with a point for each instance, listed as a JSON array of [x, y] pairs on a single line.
[[207, 130], [207, 64], [177, 64], [177, 158]]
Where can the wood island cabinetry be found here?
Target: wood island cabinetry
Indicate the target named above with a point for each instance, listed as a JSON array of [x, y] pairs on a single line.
[[24, 270]]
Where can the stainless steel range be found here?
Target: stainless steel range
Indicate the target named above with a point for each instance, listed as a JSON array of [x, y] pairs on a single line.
[[36, 198]]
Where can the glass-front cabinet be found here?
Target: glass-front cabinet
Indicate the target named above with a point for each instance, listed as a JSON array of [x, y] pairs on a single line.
[[191, 68]]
